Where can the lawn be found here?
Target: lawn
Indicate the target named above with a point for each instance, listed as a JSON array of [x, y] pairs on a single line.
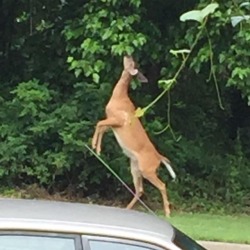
[[226, 228]]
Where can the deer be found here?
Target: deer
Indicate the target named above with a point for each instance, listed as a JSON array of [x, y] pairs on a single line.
[[132, 137]]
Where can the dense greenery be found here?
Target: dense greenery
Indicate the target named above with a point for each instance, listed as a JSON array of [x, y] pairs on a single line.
[[59, 61]]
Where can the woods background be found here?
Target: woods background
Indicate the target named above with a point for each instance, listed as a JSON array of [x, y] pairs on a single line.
[[59, 61]]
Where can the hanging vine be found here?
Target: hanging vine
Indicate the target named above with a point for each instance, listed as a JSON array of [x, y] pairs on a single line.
[[200, 16]]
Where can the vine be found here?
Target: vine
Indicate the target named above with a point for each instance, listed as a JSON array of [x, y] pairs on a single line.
[[212, 71], [200, 16]]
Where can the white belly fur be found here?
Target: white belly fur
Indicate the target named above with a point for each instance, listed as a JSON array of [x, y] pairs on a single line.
[[126, 150]]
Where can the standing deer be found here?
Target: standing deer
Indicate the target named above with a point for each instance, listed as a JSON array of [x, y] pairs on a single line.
[[131, 136]]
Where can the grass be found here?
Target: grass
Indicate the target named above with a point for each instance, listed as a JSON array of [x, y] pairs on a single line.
[[226, 228]]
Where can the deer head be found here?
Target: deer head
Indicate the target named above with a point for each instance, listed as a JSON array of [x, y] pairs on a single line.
[[131, 67]]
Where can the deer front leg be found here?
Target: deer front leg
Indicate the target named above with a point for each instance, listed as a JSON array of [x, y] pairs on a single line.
[[99, 139], [101, 127], [95, 138]]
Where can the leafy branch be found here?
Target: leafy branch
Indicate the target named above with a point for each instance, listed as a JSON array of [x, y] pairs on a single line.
[[235, 20], [200, 16]]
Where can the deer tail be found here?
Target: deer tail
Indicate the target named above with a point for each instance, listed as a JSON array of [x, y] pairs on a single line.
[[166, 162]]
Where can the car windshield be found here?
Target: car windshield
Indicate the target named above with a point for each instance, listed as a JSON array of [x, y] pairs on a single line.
[[184, 242]]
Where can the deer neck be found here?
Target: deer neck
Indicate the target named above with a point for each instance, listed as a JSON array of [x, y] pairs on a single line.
[[121, 88]]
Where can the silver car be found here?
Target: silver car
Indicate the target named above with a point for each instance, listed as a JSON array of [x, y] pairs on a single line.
[[53, 225]]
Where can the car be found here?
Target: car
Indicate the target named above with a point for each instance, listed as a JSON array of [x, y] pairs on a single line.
[[57, 225]]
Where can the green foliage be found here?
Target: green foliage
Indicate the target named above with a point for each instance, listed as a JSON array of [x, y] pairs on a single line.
[[100, 33], [235, 20], [199, 15], [60, 60]]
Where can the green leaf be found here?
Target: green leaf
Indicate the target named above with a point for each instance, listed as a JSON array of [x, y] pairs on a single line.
[[209, 9], [70, 59], [245, 4], [222, 58], [199, 15], [135, 42], [140, 112], [237, 19], [130, 50], [77, 72], [107, 34], [194, 15], [133, 85], [99, 65], [96, 78]]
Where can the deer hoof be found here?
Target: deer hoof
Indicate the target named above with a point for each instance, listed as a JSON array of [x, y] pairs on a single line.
[[98, 151], [93, 145], [167, 212]]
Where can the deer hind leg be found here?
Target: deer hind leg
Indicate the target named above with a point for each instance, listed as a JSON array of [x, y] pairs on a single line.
[[162, 188], [138, 182], [149, 173]]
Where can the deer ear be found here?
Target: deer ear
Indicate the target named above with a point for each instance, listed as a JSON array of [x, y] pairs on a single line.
[[141, 77], [133, 72]]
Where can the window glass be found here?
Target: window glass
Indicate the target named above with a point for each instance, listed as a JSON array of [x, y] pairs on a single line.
[[184, 242], [106, 245], [31, 242]]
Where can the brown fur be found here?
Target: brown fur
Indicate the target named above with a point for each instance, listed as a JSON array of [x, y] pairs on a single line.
[[130, 134]]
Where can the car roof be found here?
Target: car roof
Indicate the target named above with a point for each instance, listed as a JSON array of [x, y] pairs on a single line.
[[70, 217]]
